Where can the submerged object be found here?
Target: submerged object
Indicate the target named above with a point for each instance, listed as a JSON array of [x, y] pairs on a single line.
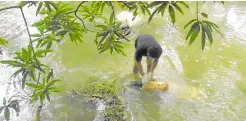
[[151, 85], [137, 84], [156, 85]]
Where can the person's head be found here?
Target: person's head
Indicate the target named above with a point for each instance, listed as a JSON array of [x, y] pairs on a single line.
[[154, 52]]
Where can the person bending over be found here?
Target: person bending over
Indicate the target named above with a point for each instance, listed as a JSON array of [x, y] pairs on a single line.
[[146, 45]]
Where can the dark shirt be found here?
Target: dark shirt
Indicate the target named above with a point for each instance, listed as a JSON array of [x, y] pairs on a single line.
[[142, 43]]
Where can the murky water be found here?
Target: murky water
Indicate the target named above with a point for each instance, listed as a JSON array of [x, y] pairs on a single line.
[[205, 85]]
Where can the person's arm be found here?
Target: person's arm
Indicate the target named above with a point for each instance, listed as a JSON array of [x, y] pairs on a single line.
[[154, 65]]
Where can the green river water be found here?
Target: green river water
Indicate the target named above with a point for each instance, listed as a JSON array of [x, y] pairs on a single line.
[[207, 85]]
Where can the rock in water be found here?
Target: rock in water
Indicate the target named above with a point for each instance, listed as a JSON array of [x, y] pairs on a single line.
[[138, 84]]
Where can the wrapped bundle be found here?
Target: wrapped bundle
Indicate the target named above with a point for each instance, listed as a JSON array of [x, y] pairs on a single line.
[[156, 85]]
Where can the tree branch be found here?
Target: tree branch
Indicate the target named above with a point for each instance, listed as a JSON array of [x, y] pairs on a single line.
[[124, 2], [39, 75], [75, 13], [2, 9], [30, 39], [11, 7], [70, 12]]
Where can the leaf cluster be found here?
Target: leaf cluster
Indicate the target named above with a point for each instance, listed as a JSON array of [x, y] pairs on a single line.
[[7, 105]]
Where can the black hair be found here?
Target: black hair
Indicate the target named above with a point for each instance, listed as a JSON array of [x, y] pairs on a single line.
[[154, 51]]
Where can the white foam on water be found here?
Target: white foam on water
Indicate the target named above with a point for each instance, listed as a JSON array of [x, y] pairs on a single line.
[[100, 111], [13, 29]]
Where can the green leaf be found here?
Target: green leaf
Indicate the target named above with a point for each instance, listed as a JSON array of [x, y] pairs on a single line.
[[120, 51], [52, 89], [217, 30], [190, 23], [102, 34], [62, 33], [39, 43], [216, 27], [86, 9], [51, 83], [32, 85], [39, 23], [196, 30], [29, 50], [39, 8], [22, 3], [17, 72], [32, 75], [71, 37], [208, 32], [143, 10], [47, 95], [183, 3], [203, 38], [102, 7], [49, 45], [223, 2], [1, 109], [6, 114], [42, 97], [107, 44], [172, 13], [95, 41], [12, 63], [204, 15], [208, 22], [190, 31], [3, 41], [154, 4], [103, 38], [36, 95], [41, 28], [119, 46], [37, 39], [50, 75], [111, 50], [111, 20], [42, 85], [178, 8], [122, 36], [53, 4], [47, 5], [25, 52], [16, 106], [23, 81], [135, 14], [44, 43], [163, 8], [151, 16], [210, 27], [4, 101], [40, 52], [103, 27]]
